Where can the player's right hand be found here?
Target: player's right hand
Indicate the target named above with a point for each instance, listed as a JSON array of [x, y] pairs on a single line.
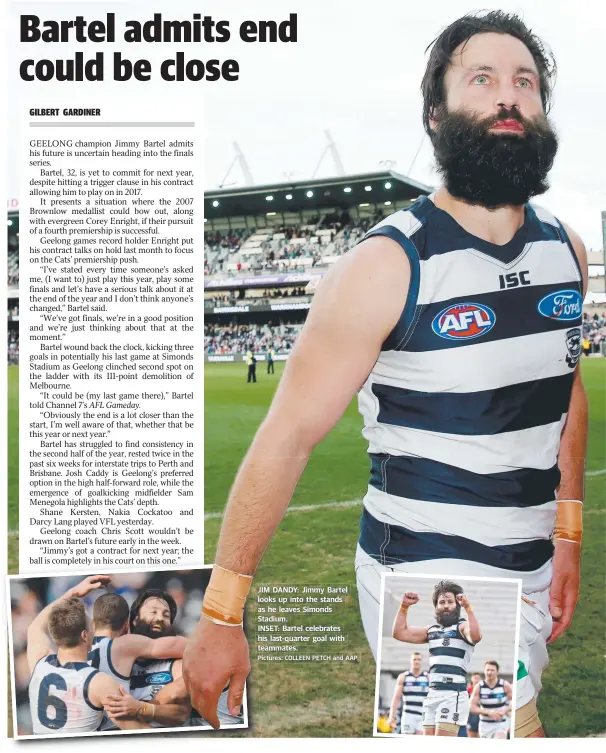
[[497, 715], [214, 656], [89, 584], [409, 599], [392, 722]]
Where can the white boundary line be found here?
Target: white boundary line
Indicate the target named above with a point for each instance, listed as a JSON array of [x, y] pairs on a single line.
[[322, 505], [347, 503]]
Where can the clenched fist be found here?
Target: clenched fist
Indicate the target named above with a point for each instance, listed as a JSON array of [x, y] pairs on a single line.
[[409, 599], [463, 601]]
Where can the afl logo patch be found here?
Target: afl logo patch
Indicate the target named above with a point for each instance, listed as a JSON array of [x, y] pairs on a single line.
[[464, 321], [446, 642], [565, 305], [158, 678]]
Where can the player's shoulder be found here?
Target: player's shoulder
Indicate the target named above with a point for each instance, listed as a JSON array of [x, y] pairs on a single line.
[[45, 664]]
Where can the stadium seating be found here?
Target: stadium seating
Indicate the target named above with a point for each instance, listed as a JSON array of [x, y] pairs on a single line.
[[222, 339]]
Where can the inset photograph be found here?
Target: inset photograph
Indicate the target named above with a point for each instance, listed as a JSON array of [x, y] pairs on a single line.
[[102, 653], [447, 654]]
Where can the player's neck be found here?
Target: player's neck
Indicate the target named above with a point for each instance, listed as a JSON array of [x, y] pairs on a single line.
[[75, 654], [496, 226], [493, 684], [106, 633]]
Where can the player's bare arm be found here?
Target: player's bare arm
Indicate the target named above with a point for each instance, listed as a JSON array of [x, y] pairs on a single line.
[[474, 701], [401, 630], [565, 583], [126, 649], [122, 705], [39, 643], [395, 702], [101, 688], [471, 630], [356, 306], [509, 694]]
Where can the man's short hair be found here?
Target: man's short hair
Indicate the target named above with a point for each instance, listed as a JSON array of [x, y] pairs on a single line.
[[416, 653], [67, 621], [152, 593], [493, 663], [111, 611], [445, 587], [461, 31]]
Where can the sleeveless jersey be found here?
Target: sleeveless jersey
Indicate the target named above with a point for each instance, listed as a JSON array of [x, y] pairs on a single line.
[[464, 408], [100, 658], [58, 697], [414, 692], [449, 657], [148, 677], [492, 698]]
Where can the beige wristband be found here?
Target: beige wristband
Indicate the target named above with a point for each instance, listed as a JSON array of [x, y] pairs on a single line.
[[569, 521], [225, 597]]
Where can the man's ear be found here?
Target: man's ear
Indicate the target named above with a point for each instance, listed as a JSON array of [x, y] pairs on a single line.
[[434, 118]]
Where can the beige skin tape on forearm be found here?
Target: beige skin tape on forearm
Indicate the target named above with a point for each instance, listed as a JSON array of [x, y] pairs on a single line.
[[225, 597], [569, 521]]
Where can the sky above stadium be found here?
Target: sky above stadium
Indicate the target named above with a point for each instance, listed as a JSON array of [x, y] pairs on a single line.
[[356, 71]]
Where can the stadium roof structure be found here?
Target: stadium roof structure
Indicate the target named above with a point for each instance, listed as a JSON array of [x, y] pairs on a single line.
[[318, 193]]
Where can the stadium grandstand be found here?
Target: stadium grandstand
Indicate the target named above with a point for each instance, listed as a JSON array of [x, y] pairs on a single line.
[[266, 247], [13, 287]]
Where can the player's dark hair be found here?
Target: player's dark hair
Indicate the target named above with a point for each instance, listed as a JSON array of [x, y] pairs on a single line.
[[152, 593], [445, 587], [461, 31], [111, 611], [493, 663], [416, 653], [67, 621]]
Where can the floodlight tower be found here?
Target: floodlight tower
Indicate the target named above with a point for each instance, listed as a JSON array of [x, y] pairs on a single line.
[[241, 160], [334, 152]]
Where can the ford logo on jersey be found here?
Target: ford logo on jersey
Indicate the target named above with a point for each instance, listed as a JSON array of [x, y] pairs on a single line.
[[158, 678], [464, 321], [565, 305]]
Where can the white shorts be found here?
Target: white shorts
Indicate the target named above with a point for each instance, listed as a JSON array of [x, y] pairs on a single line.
[[446, 707], [490, 729], [410, 724], [535, 623]]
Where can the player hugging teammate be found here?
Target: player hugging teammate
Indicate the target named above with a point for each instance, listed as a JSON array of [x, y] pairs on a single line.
[[119, 670]]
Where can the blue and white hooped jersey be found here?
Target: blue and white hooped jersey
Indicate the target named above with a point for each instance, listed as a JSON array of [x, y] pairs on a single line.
[[148, 677], [100, 657], [492, 698], [465, 406], [414, 692], [449, 657], [58, 697]]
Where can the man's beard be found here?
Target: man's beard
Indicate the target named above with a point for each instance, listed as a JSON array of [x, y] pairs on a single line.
[[145, 628], [448, 619], [493, 169]]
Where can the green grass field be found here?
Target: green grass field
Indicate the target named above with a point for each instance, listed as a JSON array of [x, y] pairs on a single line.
[[318, 547]]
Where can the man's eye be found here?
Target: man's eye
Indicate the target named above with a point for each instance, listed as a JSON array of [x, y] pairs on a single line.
[[481, 79], [524, 83]]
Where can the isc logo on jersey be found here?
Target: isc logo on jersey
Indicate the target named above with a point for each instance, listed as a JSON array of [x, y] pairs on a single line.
[[565, 305], [464, 321]]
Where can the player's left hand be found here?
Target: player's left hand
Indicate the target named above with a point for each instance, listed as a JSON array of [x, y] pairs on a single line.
[[89, 584], [121, 706], [463, 601], [565, 584]]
